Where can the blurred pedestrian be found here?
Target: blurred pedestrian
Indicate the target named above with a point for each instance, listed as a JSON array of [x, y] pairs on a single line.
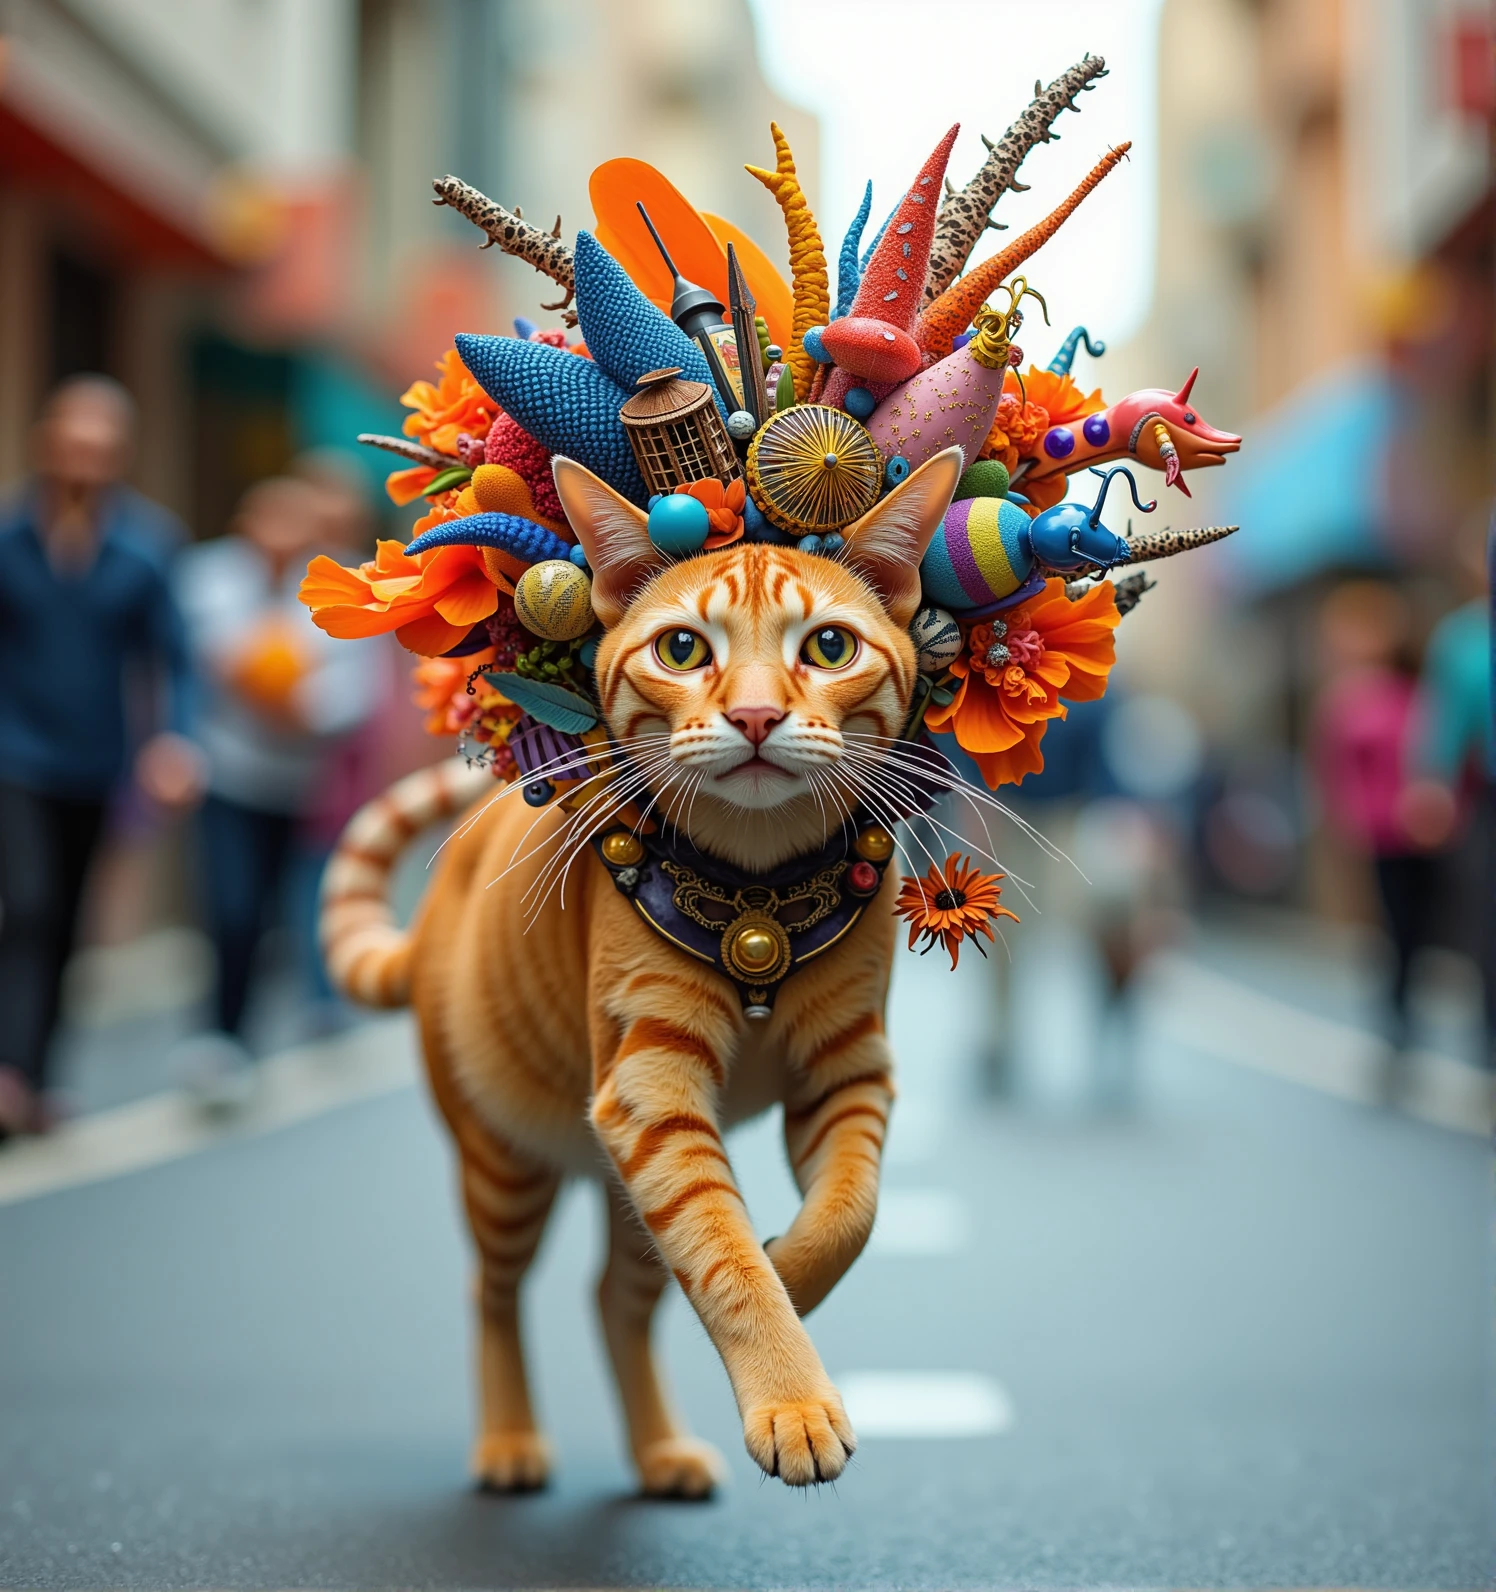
[[1102, 885], [355, 765], [276, 695], [1448, 804], [1361, 736], [84, 600]]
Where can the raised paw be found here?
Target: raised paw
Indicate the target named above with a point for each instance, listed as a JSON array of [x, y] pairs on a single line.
[[511, 1462], [801, 1441], [680, 1467]]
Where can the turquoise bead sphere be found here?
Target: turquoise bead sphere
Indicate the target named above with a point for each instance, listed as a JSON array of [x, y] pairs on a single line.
[[860, 403], [679, 524]]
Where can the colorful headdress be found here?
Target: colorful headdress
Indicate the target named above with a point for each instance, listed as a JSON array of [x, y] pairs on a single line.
[[724, 403]]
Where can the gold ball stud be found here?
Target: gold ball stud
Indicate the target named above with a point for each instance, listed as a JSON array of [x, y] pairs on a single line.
[[622, 850], [755, 950], [875, 843]]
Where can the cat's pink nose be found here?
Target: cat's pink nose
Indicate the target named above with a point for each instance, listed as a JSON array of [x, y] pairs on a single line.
[[756, 723]]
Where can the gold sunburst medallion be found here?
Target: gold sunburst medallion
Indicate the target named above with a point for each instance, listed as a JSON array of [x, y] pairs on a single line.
[[813, 469], [756, 948]]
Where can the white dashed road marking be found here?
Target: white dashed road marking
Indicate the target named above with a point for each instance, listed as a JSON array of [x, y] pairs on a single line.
[[925, 1404], [919, 1222]]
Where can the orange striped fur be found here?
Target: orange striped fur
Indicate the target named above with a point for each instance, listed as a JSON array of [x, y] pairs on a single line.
[[571, 1039]]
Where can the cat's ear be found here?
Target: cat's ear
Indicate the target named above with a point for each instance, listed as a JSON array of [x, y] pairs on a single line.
[[887, 543], [614, 534]]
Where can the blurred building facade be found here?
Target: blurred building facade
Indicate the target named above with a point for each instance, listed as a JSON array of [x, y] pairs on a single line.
[[227, 205], [1326, 257]]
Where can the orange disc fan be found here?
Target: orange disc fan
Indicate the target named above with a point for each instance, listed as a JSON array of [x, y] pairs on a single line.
[[775, 302], [697, 242]]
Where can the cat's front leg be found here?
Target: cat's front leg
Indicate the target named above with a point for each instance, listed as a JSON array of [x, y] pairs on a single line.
[[655, 1110], [835, 1116]]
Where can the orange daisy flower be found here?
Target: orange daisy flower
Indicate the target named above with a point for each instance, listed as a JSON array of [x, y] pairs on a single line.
[[444, 409], [430, 600], [1017, 668], [950, 904]]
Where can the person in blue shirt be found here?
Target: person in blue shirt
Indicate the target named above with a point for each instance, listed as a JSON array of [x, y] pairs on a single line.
[[84, 602]]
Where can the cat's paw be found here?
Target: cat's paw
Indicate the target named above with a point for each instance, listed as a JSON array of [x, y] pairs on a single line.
[[801, 1441], [680, 1467], [511, 1462]]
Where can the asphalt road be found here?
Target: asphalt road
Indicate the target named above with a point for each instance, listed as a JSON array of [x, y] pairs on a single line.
[[1243, 1334]]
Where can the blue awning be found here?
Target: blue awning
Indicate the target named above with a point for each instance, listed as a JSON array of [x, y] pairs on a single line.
[[1309, 489]]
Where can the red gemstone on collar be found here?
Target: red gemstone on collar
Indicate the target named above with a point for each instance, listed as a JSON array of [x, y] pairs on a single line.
[[862, 878]]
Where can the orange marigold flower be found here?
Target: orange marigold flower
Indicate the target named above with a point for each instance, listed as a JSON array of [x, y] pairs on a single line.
[[430, 600], [448, 407], [459, 700], [1016, 669], [951, 904], [1057, 395], [1015, 431], [1025, 414]]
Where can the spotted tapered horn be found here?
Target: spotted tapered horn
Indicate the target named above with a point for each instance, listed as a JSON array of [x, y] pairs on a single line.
[[546, 251], [1165, 543], [965, 215]]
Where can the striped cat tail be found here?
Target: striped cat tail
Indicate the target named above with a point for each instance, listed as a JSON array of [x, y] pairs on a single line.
[[367, 955]]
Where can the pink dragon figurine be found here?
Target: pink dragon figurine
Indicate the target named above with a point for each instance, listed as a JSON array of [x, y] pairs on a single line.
[[1155, 427]]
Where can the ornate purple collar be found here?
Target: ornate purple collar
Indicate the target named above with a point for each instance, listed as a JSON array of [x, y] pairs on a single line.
[[755, 928]]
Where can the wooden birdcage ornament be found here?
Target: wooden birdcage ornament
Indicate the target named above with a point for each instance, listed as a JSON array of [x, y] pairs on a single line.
[[676, 433]]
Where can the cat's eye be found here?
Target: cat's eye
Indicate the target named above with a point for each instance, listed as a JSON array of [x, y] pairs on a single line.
[[682, 650], [830, 647]]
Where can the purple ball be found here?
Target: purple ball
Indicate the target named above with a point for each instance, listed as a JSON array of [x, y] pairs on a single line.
[[1097, 432], [1059, 442]]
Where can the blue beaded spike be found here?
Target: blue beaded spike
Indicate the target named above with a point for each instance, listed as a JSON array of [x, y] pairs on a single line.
[[567, 403], [625, 334], [848, 266], [1060, 364], [872, 248], [523, 538]]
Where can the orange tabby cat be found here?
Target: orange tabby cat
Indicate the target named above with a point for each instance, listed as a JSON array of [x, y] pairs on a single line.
[[575, 1040]]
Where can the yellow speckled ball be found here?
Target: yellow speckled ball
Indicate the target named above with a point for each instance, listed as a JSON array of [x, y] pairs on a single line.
[[554, 599]]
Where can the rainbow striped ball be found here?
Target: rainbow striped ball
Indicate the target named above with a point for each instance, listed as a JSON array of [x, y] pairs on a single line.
[[978, 556], [554, 599]]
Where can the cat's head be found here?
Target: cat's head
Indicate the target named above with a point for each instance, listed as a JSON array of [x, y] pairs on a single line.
[[758, 677]]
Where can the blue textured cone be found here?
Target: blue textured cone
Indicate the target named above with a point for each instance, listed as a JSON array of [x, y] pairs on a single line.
[[848, 266], [565, 402], [623, 331], [523, 538]]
